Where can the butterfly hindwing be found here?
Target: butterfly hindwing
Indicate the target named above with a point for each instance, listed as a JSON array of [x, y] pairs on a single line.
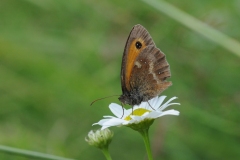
[[149, 73]]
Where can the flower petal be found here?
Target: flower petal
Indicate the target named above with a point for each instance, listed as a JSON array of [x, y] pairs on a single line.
[[117, 110], [101, 122], [160, 100], [136, 118], [154, 102], [109, 117], [127, 112], [170, 112], [167, 103], [162, 108], [165, 106], [111, 122], [114, 122], [153, 115], [142, 105]]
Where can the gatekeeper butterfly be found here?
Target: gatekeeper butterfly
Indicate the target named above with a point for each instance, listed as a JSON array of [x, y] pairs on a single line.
[[144, 68]]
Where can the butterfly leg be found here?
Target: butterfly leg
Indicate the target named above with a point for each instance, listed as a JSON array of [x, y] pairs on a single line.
[[150, 105], [123, 110]]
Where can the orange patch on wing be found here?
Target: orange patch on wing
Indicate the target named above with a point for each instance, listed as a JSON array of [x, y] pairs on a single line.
[[132, 54]]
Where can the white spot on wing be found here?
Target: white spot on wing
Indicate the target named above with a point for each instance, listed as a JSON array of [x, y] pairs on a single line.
[[138, 64], [151, 71]]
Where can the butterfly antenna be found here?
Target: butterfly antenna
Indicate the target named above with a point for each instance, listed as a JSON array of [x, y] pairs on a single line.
[[102, 98]]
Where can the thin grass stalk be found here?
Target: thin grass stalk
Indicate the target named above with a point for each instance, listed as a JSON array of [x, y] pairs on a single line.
[[30, 154], [196, 25]]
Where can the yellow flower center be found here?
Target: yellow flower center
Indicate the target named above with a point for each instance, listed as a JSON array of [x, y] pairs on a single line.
[[137, 112]]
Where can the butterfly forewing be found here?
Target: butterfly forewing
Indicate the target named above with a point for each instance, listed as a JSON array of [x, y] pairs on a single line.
[[138, 39]]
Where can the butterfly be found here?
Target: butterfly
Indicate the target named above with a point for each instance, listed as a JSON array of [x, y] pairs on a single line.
[[144, 68]]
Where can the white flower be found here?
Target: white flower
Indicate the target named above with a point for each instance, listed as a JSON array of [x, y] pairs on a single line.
[[138, 113], [100, 138]]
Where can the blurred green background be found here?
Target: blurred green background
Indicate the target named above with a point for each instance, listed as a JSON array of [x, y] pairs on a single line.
[[57, 56]]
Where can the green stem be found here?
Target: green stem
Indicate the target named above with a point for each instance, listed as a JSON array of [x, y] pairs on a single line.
[[106, 153], [145, 136]]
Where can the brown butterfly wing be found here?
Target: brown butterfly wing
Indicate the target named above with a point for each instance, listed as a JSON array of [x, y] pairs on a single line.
[[149, 74], [131, 52]]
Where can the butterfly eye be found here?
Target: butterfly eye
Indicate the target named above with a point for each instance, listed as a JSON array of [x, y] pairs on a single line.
[[138, 45]]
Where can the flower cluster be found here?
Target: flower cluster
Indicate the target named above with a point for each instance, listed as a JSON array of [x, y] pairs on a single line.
[[100, 138]]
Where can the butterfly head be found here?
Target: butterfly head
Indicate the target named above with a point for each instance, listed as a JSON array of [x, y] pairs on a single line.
[[132, 98]]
